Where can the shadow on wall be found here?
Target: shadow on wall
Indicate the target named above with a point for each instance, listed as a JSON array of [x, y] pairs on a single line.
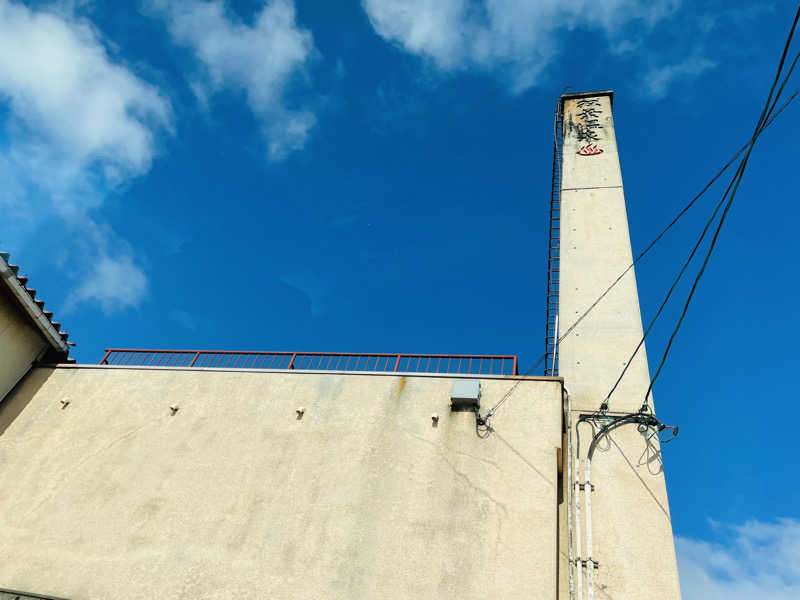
[[20, 395]]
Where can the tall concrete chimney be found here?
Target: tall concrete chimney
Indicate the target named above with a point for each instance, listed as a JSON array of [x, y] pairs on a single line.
[[595, 250], [631, 526]]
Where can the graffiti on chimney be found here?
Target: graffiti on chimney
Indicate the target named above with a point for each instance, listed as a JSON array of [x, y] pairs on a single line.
[[586, 125]]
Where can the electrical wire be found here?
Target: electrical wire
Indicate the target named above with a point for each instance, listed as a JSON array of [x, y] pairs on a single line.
[[644, 252], [733, 188], [606, 403], [671, 224]]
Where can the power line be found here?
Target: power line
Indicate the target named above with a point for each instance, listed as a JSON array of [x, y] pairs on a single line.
[[732, 188], [644, 252], [765, 121], [672, 223], [605, 404]]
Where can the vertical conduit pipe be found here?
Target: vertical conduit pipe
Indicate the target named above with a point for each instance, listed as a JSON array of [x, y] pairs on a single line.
[[568, 421], [576, 495], [553, 371], [587, 495]]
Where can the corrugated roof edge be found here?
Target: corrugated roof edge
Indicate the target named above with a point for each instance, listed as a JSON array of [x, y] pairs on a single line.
[[34, 308]]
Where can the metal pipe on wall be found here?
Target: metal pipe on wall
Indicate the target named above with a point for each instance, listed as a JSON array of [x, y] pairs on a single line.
[[570, 541], [576, 496], [553, 371], [587, 495]]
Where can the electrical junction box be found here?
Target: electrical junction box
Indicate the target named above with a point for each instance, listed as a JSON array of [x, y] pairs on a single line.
[[465, 395]]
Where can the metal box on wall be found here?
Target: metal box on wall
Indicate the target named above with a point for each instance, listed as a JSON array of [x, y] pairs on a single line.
[[465, 395]]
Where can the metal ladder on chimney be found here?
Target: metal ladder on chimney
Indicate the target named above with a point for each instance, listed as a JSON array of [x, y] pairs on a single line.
[[554, 249]]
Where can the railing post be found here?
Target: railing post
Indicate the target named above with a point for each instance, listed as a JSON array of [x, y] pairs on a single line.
[[397, 363], [104, 360], [515, 367], [291, 362], [194, 360]]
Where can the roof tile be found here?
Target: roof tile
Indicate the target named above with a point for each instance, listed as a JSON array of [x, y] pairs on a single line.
[[23, 280]]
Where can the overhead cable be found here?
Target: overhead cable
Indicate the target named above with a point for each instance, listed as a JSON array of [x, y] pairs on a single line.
[[732, 188], [606, 403], [644, 252]]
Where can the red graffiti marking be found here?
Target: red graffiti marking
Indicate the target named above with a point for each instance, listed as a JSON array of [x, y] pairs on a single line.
[[589, 150]]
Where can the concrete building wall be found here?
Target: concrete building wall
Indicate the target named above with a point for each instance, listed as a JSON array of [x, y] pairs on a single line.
[[632, 532], [20, 343], [235, 497]]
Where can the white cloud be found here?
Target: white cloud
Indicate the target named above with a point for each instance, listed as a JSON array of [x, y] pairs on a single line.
[[754, 560], [516, 38], [261, 59], [78, 124], [115, 282], [61, 85], [659, 79]]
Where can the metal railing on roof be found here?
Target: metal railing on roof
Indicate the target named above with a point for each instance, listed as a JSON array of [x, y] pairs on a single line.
[[461, 364]]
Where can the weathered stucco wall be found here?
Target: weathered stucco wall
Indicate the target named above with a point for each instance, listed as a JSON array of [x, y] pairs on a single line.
[[234, 497], [20, 343]]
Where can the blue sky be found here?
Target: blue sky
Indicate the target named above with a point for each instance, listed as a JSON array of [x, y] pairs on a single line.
[[375, 176]]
